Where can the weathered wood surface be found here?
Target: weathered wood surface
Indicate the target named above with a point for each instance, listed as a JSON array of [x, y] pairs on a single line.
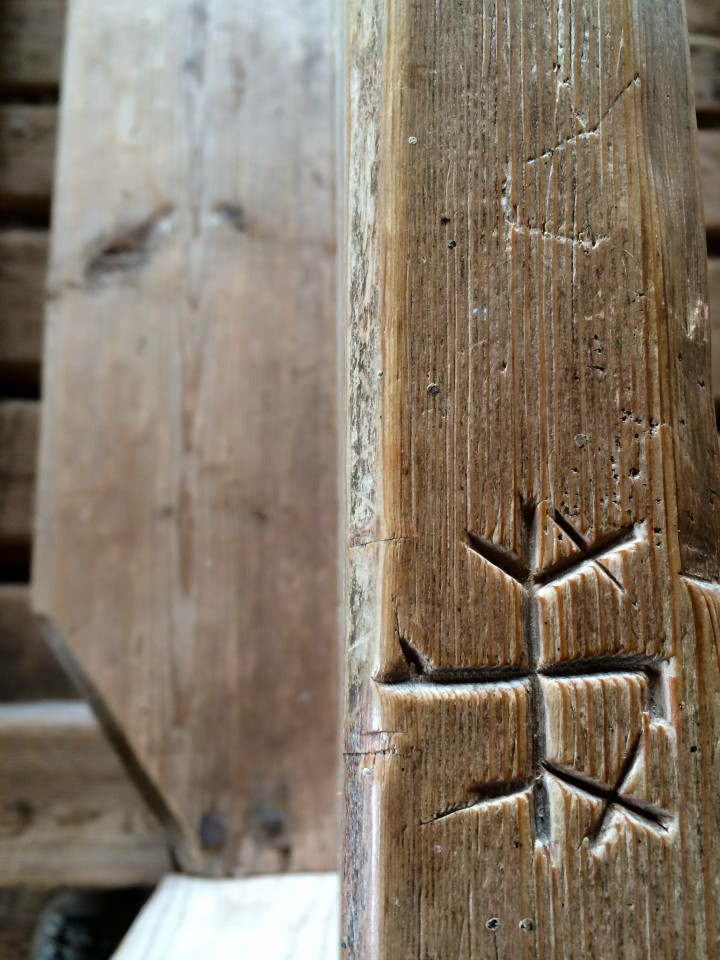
[[273, 918], [714, 308], [187, 513], [68, 813], [28, 669], [27, 151], [19, 421], [31, 42], [23, 263], [533, 604]]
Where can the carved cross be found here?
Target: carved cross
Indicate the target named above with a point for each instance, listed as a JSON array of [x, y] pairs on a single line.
[[532, 580]]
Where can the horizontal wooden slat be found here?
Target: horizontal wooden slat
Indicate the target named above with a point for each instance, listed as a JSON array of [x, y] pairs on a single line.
[[705, 62], [19, 421], [28, 669], [703, 16], [27, 152], [31, 40], [709, 142], [276, 918], [68, 812], [23, 258]]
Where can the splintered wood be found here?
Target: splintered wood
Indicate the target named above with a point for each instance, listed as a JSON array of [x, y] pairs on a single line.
[[533, 600], [186, 522]]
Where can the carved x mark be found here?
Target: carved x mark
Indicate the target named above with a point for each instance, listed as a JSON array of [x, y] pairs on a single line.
[[611, 795]]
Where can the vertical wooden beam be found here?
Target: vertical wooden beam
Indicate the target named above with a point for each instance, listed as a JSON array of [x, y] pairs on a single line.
[[534, 508], [186, 537]]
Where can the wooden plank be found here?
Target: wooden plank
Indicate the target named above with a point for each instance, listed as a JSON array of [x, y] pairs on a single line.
[[68, 813], [276, 918], [709, 143], [19, 428], [31, 42], [23, 263], [29, 670], [703, 16], [186, 538], [27, 152], [533, 606], [705, 65]]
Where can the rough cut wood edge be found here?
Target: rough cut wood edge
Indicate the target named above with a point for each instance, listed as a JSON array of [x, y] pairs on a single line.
[[19, 429], [273, 918], [185, 545], [28, 669], [68, 812], [31, 43], [438, 863], [27, 153], [23, 265]]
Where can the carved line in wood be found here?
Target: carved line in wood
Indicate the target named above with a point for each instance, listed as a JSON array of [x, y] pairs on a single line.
[[532, 580]]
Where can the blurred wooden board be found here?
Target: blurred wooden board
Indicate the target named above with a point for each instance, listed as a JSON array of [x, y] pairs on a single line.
[[27, 152], [273, 918], [19, 427], [23, 265], [533, 574], [705, 63], [709, 143], [703, 16], [186, 537], [31, 41], [28, 668], [68, 812]]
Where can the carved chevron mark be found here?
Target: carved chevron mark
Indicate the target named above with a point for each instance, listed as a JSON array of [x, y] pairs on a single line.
[[518, 568], [611, 795], [589, 553], [505, 560]]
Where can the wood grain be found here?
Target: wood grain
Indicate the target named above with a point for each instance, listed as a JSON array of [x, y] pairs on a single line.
[[31, 44], [68, 813], [276, 918], [23, 263], [533, 467], [186, 535], [27, 152]]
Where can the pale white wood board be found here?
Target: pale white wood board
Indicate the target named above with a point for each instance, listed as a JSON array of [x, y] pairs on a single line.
[[269, 918]]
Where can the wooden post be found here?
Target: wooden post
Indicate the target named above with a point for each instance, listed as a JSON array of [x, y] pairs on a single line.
[[534, 503]]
